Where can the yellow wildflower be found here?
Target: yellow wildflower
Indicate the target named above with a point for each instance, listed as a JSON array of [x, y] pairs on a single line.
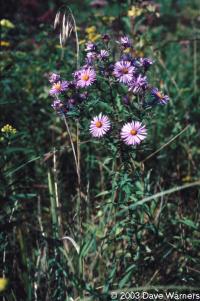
[[82, 42], [93, 37], [90, 29], [135, 11], [108, 19], [3, 284], [186, 179], [139, 53], [4, 44], [8, 129], [6, 23], [151, 8], [127, 50], [92, 34]]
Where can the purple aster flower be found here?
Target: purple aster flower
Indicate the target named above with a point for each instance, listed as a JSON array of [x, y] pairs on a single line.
[[99, 125], [106, 38], [90, 57], [85, 77], [125, 42], [106, 71], [136, 63], [72, 84], [124, 71], [111, 68], [90, 47], [59, 107], [159, 96], [138, 84], [146, 63], [83, 96], [59, 87], [72, 101], [126, 57], [103, 71], [77, 74], [133, 133], [57, 104], [54, 78], [76, 99], [103, 55]]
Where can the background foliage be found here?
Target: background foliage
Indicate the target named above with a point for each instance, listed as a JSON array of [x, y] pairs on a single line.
[[111, 242]]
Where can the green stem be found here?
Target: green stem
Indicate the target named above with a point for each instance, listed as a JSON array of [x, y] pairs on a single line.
[[53, 205]]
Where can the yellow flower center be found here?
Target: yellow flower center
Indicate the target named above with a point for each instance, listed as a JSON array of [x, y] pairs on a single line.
[[98, 124], [124, 70], [85, 77], [133, 132], [159, 94], [57, 86]]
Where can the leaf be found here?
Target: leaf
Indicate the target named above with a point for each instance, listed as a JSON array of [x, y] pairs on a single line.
[[23, 196], [189, 223], [86, 247], [102, 193], [160, 194], [125, 279]]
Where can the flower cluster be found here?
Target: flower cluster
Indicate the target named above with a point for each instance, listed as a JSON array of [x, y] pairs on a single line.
[[143, 7], [92, 34], [128, 73], [8, 132], [65, 93], [7, 23], [8, 129]]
